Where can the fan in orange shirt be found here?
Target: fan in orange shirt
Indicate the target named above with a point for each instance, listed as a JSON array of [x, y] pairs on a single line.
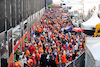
[[41, 49], [52, 36], [66, 37], [30, 62], [17, 64], [47, 48], [27, 53], [62, 37], [56, 59], [38, 57], [58, 50], [55, 31], [42, 38], [40, 29], [63, 59]]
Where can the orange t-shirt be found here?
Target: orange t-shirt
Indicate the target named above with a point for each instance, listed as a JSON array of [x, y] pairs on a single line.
[[66, 37], [27, 53], [38, 58], [52, 36], [58, 50], [40, 30], [63, 57], [55, 31], [30, 62], [17, 64], [56, 59], [41, 49], [42, 38], [47, 48], [62, 37]]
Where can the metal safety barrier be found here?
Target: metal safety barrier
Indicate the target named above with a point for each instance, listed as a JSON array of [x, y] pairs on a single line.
[[79, 62], [70, 64]]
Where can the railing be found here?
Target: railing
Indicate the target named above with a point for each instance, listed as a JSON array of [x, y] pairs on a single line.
[[70, 64], [79, 62]]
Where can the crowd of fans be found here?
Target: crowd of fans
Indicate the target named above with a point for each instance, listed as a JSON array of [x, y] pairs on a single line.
[[51, 44]]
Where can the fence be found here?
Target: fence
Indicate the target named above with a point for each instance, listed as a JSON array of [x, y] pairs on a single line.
[[79, 62], [3, 50], [70, 64], [17, 10]]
